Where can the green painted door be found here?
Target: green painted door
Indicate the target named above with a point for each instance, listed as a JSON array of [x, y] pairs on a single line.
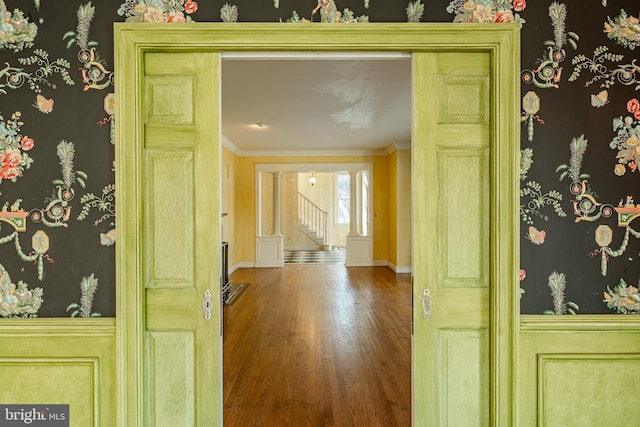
[[452, 215], [465, 195], [175, 191]]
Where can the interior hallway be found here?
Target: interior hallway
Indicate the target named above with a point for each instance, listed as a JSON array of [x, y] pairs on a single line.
[[318, 345]]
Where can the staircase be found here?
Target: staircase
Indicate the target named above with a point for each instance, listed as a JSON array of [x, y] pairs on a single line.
[[314, 222]]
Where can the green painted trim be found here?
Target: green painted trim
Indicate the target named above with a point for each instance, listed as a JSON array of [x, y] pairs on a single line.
[[58, 327], [580, 323], [132, 40]]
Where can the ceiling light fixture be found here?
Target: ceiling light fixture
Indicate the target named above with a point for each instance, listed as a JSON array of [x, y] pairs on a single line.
[[312, 179], [260, 125]]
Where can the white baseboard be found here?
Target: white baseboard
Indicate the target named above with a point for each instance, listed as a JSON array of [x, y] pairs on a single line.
[[241, 265], [396, 269]]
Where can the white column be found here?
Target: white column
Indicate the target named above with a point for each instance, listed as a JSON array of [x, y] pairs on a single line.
[[353, 204], [276, 204]]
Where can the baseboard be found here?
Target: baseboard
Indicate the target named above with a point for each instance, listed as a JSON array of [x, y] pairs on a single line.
[[269, 264], [241, 265], [396, 269]]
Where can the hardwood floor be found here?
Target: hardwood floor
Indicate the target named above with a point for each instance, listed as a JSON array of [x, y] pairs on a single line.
[[318, 345]]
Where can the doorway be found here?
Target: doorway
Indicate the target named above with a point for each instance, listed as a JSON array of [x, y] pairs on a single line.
[[465, 99], [321, 345]]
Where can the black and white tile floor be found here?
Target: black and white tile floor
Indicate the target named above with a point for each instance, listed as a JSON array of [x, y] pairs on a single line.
[[335, 256]]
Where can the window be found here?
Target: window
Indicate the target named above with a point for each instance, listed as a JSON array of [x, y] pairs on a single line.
[[343, 198]]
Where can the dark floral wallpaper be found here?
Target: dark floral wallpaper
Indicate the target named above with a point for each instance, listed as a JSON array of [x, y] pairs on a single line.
[[580, 136]]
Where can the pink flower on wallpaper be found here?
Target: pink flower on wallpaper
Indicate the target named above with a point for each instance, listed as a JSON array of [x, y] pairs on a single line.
[[519, 5], [9, 169], [190, 6], [633, 106], [523, 274], [504, 16], [27, 143]]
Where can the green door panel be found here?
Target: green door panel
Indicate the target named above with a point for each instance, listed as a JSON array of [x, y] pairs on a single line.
[[174, 226], [451, 238]]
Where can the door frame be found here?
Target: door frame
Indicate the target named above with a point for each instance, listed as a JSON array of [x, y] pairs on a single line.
[[501, 41]]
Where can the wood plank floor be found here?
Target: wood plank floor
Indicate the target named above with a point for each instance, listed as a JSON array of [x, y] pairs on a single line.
[[318, 345]]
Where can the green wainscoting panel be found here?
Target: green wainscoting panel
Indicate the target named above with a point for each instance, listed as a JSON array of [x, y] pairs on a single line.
[[69, 381], [579, 371], [568, 385], [61, 361]]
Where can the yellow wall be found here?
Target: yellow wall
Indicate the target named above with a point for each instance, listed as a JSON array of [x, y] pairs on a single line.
[[400, 209], [403, 209], [228, 183], [242, 186], [393, 199]]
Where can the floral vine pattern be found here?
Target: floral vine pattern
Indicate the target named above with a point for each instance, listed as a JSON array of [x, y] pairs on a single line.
[[624, 74], [104, 203], [547, 73], [487, 10], [15, 77], [624, 30], [17, 300], [627, 140], [539, 200]]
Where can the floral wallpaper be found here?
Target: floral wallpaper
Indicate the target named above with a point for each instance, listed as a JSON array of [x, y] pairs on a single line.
[[580, 123]]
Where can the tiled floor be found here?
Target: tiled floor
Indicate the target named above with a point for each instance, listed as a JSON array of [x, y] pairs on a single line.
[[335, 256]]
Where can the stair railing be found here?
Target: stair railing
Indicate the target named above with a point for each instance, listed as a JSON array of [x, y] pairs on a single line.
[[314, 219]]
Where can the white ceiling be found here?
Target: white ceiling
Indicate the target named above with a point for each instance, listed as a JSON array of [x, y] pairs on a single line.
[[316, 104]]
